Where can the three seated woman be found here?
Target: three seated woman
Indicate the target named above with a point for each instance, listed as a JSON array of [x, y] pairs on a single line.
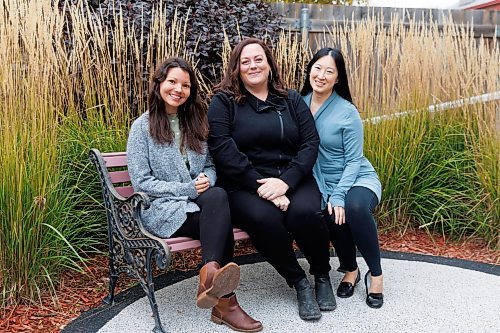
[[265, 177]]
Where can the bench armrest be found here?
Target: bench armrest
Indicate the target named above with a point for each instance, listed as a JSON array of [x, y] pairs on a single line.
[[130, 227], [125, 230]]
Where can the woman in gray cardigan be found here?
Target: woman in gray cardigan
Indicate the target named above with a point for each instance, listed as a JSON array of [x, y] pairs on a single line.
[[168, 160]]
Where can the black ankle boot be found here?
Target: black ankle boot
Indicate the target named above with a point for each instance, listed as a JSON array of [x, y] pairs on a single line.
[[308, 307], [324, 292]]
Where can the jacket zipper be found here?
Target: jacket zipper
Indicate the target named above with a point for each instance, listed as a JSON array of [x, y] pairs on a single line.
[[281, 124], [282, 135]]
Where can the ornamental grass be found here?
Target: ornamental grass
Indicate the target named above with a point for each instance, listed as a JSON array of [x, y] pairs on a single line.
[[63, 93]]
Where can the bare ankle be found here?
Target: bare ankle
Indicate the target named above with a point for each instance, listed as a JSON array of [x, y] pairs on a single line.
[[376, 284], [350, 276]]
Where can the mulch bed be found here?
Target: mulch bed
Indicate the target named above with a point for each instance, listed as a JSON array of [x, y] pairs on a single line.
[[79, 292]]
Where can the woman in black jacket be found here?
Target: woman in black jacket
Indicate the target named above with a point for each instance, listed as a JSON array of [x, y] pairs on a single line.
[[264, 144]]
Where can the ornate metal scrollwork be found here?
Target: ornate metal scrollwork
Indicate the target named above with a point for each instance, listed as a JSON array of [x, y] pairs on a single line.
[[127, 218]]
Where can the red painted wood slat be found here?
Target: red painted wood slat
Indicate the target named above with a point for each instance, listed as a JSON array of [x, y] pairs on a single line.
[[240, 235], [118, 153], [119, 176], [115, 161], [185, 243], [125, 191], [192, 244], [175, 240]]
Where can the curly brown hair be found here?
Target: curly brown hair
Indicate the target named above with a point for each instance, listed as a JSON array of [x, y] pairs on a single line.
[[232, 85], [192, 114]]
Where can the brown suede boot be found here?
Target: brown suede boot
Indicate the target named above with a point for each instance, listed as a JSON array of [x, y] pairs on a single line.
[[229, 312], [216, 282]]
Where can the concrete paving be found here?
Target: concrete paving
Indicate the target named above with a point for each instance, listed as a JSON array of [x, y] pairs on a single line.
[[422, 294]]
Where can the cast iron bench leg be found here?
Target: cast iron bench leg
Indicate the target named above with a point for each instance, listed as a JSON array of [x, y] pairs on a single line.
[[150, 291], [111, 296]]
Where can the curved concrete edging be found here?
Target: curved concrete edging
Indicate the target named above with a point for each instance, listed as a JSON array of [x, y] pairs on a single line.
[[423, 293]]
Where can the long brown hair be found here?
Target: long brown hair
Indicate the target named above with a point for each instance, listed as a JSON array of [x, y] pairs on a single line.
[[192, 114], [232, 85]]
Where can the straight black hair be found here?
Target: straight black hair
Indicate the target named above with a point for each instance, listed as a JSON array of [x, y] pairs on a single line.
[[342, 86]]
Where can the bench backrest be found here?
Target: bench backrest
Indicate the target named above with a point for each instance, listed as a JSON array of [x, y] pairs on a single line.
[[116, 164]]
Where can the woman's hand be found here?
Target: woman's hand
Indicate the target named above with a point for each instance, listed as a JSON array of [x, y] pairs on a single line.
[[281, 202], [271, 188], [202, 183], [339, 213]]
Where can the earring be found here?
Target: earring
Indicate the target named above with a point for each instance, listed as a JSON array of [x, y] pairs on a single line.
[[270, 76]]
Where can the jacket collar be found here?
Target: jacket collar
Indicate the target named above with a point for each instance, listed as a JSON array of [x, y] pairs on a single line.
[[272, 103], [323, 106]]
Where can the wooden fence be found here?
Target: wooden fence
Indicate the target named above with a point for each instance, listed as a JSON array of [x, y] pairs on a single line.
[[485, 23]]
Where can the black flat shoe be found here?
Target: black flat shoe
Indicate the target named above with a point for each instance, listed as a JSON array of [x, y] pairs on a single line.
[[308, 306], [373, 300], [346, 289], [324, 292]]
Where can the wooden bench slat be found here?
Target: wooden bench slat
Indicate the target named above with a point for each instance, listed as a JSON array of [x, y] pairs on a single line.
[[240, 235], [186, 245], [125, 191], [119, 176], [175, 240], [118, 153], [115, 161]]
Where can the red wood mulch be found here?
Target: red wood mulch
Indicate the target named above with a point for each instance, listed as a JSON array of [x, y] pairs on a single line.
[[80, 292]]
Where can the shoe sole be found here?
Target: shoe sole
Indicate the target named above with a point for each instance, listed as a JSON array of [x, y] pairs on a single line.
[[328, 308], [374, 307], [223, 322], [310, 317], [225, 282]]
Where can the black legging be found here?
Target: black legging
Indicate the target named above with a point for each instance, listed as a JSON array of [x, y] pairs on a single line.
[[358, 230], [273, 230], [212, 226]]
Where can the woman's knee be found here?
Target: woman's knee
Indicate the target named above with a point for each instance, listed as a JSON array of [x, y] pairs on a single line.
[[214, 196], [359, 201], [218, 193], [355, 208], [305, 218], [265, 223]]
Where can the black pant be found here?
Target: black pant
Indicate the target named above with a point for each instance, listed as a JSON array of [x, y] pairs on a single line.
[[212, 226], [358, 230], [273, 230]]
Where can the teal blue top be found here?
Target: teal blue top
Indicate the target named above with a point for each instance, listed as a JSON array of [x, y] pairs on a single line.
[[341, 163]]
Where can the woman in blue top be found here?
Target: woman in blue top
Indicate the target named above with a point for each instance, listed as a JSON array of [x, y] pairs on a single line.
[[348, 182]]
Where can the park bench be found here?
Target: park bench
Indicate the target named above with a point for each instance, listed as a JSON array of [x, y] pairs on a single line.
[[132, 249]]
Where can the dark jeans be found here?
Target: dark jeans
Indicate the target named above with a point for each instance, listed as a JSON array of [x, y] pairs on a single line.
[[273, 230], [359, 230], [212, 226]]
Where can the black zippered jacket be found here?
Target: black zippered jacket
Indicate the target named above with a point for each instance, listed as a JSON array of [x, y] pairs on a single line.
[[259, 139]]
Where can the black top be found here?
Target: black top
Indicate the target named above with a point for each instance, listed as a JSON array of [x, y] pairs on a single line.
[[260, 139]]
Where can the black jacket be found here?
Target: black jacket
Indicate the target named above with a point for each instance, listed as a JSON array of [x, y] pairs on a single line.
[[257, 139]]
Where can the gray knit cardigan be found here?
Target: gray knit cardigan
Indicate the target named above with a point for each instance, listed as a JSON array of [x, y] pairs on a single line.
[[159, 170]]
